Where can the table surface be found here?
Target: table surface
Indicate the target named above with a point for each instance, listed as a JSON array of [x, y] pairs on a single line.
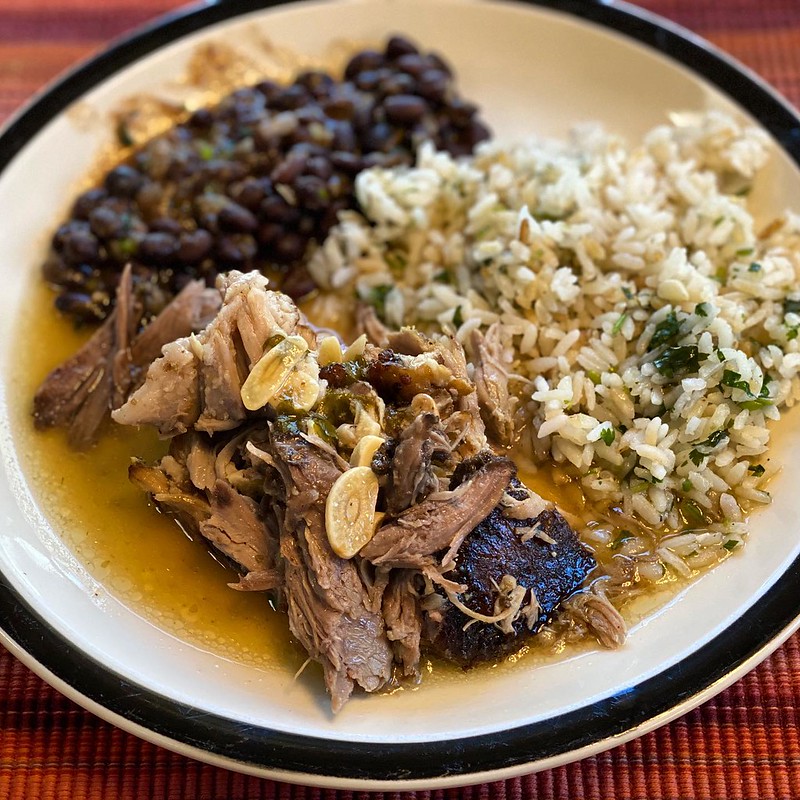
[[745, 743]]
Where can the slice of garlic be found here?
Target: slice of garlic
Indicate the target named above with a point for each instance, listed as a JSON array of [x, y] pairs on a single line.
[[350, 516], [365, 450], [272, 371], [330, 351]]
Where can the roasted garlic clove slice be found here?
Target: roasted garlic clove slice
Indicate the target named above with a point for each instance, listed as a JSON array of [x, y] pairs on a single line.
[[356, 350], [302, 388], [365, 450], [350, 517], [330, 351], [272, 371]]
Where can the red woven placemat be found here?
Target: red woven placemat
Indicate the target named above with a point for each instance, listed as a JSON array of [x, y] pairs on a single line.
[[744, 744]]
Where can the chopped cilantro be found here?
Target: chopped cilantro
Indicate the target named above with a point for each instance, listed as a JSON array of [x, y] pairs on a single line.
[[608, 435], [377, 298], [677, 360], [791, 306], [697, 455], [458, 317], [666, 332], [618, 324], [791, 334], [692, 513], [701, 309], [733, 379], [718, 221], [395, 261], [754, 267], [124, 134], [627, 292], [443, 277], [756, 469], [730, 545], [720, 356], [205, 150], [622, 537]]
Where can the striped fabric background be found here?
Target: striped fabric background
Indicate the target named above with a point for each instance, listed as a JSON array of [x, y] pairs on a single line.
[[744, 744]]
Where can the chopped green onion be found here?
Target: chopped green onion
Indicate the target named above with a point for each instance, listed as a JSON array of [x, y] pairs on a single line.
[[701, 309], [757, 470], [458, 317], [754, 267], [730, 545], [745, 251], [687, 485]]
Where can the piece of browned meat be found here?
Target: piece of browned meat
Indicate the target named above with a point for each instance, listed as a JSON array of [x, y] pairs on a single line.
[[197, 381], [80, 393], [440, 522], [328, 604], [491, 382], [542, 555], [421, 444]]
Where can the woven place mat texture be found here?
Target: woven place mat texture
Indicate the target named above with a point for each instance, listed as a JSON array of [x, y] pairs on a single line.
[[745, 743]]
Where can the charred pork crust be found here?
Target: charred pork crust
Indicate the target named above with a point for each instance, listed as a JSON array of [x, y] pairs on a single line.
[[551, 565]]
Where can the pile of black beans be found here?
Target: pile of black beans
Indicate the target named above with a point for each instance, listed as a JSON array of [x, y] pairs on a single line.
[[255, 181]]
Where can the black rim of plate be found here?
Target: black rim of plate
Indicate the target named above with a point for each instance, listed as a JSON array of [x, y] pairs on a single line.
[[290, 754]]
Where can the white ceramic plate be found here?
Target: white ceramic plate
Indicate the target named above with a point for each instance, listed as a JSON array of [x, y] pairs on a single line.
[[537, 67]]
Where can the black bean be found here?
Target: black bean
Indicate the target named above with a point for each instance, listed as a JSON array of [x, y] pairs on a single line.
[[236, 248], [369, 80], [381, 138], [347, 162], [339, 108], [105, 222], [437, 62], [404, 109], [312, 192], [55, 270], [124, 181], [433, 85], [477, 132], [289, 170], [315, 81], [290, 98], [413, 64], [398, 83], [269, 89], [236, 218], [268, 232], [166, 225], [81, 246], [158, 248], [194, 245], [298, 283], [201, 120], [81, 305], [360, 62], [344, 137], [88, 201], [461, 112], [276, 209], [289, 248], [250, 192], [400, 46], [319, 166]]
